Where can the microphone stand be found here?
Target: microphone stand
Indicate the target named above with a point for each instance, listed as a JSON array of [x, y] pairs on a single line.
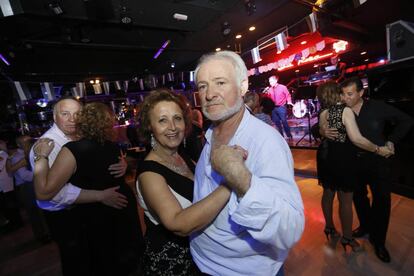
[[308, 114]]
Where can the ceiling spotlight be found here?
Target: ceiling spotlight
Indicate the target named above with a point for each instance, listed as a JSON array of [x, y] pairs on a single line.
[[55, 7], [252, 28], [172, 65], [91, 81], [225, 28], [363, 53], [238, 36], [366, 59], [250, 6], [125, 18], [303, 42], [297, 71], [218, 49], [97, 81]]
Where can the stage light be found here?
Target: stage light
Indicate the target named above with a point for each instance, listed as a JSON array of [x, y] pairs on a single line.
[[250, 6], [41, 103], [160, 50], [303, 42], [91, 81], [55, 7], [4, 60], [96, 81], [366, 60], [252, 28], [218, 49], [363, 53], [238, 36], [125, 18], [225, 28], [172, 65]]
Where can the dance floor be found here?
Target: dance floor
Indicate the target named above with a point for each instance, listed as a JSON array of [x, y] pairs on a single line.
[[313, 255]]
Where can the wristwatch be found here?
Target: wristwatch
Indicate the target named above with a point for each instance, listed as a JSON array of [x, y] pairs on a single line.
[[37, 157]]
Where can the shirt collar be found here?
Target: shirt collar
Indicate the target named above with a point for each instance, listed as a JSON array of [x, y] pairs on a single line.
[[59, 132]]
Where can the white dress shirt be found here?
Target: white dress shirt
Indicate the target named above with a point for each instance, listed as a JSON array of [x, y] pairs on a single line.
[[69, 193], [253, 236]]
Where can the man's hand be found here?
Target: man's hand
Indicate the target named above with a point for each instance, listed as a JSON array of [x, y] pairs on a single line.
[[119, 169], [330, 133], [390, 145], [229, 162], [112, 198]]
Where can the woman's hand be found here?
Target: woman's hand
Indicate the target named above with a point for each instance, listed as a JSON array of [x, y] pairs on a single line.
[[43, 147]]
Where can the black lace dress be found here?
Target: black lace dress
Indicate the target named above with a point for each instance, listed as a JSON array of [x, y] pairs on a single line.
[[339, 170], [166, 253]]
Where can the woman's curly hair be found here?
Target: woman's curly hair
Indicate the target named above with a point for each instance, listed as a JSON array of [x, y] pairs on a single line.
[[95, 122], [328, 94], [155, 97]]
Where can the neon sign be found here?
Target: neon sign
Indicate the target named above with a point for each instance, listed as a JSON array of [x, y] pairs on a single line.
[[340, 46], [313, 58]]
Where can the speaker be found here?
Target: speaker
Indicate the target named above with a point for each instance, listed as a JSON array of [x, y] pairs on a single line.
[[400, 40]]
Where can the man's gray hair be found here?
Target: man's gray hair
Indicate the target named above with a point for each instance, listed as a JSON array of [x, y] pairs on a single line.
[[240, 68]]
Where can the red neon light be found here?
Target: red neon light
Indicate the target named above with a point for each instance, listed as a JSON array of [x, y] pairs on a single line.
[[290, 65], [313, 58], [340, 46]]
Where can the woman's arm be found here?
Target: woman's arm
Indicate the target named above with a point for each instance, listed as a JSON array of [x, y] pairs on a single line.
[[352, 130], [47, 181], [182, 222]]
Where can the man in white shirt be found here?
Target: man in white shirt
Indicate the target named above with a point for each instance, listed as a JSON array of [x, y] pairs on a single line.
[[62, 222], [264, 217]]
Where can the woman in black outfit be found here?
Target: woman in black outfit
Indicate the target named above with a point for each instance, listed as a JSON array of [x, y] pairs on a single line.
[[165, 188], [111, 237], [338, 173]]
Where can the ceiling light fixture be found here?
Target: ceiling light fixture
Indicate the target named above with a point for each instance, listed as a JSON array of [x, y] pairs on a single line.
[[225, 28], [55, 7], [303, 42], [252, 28], [218, 49], [250, 6], [160, 50], [125, 18], [238, 36], [363, 53]]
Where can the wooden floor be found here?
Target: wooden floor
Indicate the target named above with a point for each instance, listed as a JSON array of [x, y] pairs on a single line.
[[313, 255]]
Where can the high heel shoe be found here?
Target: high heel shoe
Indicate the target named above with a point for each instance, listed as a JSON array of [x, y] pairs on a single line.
[[353, 243], [330, 233]]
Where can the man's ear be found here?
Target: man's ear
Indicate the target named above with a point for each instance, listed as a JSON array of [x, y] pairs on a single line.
[[244, 86]]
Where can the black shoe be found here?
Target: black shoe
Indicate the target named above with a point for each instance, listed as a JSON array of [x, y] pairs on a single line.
[[382, 253], [359, 232]]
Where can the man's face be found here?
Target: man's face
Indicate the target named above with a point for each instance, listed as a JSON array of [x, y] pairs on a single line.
[[221, 96], [272, 81], [351, 96], [64, 116]]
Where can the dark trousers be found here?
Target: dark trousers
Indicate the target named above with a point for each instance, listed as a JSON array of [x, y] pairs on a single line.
[[67, 232], [373, 216], [10, 208], [279, 117], [27, 197]]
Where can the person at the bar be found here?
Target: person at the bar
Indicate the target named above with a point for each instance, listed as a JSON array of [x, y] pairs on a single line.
[[339, 173], [108, 237], [165, 187]]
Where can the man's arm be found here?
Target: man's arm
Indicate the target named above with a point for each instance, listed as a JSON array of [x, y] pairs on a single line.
[[271, 209], [109, 197], [288, 96], [119, 169]]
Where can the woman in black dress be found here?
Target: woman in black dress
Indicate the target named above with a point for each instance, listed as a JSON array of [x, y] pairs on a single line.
[[338, 172], [165, 187], [111, 237]]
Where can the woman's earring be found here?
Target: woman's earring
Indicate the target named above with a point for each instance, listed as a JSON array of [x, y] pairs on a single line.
[[153, 142], [185, 142]]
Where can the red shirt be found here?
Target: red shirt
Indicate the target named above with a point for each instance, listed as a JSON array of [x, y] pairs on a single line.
[[279, 94]]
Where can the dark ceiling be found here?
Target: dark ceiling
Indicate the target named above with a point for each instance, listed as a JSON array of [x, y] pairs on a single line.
[[89, 40]]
